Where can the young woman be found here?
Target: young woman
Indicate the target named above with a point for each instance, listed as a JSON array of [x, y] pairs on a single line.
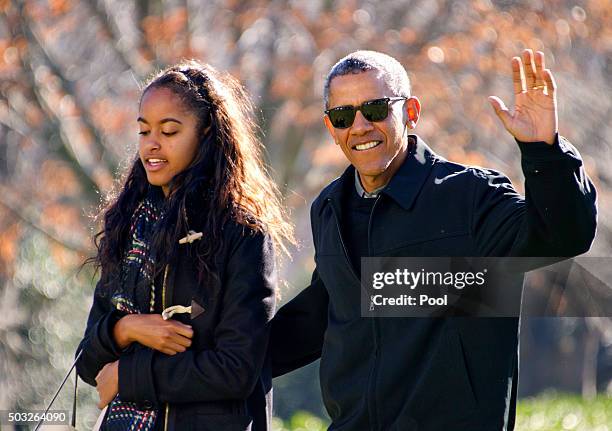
[[177, 334]]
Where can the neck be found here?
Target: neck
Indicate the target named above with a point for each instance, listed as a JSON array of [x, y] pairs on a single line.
[[370, 183]]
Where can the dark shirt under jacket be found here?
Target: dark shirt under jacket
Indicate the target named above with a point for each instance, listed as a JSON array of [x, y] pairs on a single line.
[[425, 374]]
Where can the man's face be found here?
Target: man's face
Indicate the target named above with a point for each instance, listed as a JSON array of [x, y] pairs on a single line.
[[376, 165]]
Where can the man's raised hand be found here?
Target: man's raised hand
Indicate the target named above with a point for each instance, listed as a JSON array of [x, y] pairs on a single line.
[[535, 102]]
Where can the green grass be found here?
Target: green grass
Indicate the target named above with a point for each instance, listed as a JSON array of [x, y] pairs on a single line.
[[300, 421], [550, 411], [555, 411]]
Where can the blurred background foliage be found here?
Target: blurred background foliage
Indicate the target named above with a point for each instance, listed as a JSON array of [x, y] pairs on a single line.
[[550, 411], [69, 85]]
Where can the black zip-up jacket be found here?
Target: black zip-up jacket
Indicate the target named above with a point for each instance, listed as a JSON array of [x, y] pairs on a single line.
[[430, 374], [223, 381]]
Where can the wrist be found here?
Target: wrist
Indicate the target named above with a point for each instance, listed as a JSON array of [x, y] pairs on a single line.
[[550, 142], [121, 332]]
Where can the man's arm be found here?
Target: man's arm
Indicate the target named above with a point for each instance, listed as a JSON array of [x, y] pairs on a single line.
[[556, 218], [558, 215], [298, 329]]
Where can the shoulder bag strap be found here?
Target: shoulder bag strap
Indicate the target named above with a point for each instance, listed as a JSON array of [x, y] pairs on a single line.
[[58, 391]]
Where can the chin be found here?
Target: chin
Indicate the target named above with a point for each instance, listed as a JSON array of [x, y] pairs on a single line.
[[156, 182], [370, 171]]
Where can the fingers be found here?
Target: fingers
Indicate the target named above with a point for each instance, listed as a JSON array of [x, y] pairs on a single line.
[[104, 400], [501, 110], [530, 72], [167, 336], [551, 85], [101, 404], [544, 78], [181, 329], [170, 342], [181, 341], [180, 334], [539, 67], [533, 76], [172, 349], [149, 324], [518, 75]]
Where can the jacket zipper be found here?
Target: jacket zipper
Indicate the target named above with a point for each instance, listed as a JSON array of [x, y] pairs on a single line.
[[346, 255], [376, 332], [163, 308], [375, 325]]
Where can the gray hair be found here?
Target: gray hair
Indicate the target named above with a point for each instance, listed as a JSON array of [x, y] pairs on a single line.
[[393, 73]]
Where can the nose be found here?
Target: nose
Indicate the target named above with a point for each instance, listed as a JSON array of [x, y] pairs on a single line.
[[361, 126], [149, 143]]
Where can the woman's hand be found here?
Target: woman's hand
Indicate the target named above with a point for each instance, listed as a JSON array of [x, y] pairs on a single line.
[[107, 383], [151, 330]]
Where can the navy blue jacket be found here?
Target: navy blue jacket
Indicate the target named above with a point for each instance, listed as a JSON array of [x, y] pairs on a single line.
[[430, 374], [223, 381]]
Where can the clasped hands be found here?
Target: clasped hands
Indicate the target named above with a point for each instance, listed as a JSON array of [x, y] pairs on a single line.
[[150, 330]]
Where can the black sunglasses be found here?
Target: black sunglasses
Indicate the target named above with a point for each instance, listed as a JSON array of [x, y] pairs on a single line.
[[342, 117]]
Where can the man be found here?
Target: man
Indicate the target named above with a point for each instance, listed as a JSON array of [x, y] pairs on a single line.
[[398, 198]]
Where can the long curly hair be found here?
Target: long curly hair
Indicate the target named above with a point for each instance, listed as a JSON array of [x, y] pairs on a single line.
[[227, 176]]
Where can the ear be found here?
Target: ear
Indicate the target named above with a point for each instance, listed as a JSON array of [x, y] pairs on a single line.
[[413, 111], [331, 129]]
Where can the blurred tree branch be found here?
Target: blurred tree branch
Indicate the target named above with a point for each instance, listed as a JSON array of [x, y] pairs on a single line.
[[31, 221], [54, 127], [37, 50], [130, 58]]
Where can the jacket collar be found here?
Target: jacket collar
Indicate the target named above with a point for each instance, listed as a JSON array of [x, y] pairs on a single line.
[[404, 186]]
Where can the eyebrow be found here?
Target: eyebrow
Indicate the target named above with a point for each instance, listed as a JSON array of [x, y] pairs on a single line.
[[165, 120]]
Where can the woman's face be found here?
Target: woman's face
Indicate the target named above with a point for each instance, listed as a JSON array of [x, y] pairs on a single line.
[[168, 136]]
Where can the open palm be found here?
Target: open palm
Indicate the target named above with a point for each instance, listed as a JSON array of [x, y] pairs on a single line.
[[535, 105]]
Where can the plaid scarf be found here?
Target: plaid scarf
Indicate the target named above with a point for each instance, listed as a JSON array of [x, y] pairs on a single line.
[[136, 294]]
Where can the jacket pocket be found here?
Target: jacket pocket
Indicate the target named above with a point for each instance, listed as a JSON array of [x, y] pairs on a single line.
[[445, 397]]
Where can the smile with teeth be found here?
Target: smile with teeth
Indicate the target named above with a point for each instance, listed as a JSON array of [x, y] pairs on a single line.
[[367, 145], [156, 162]]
